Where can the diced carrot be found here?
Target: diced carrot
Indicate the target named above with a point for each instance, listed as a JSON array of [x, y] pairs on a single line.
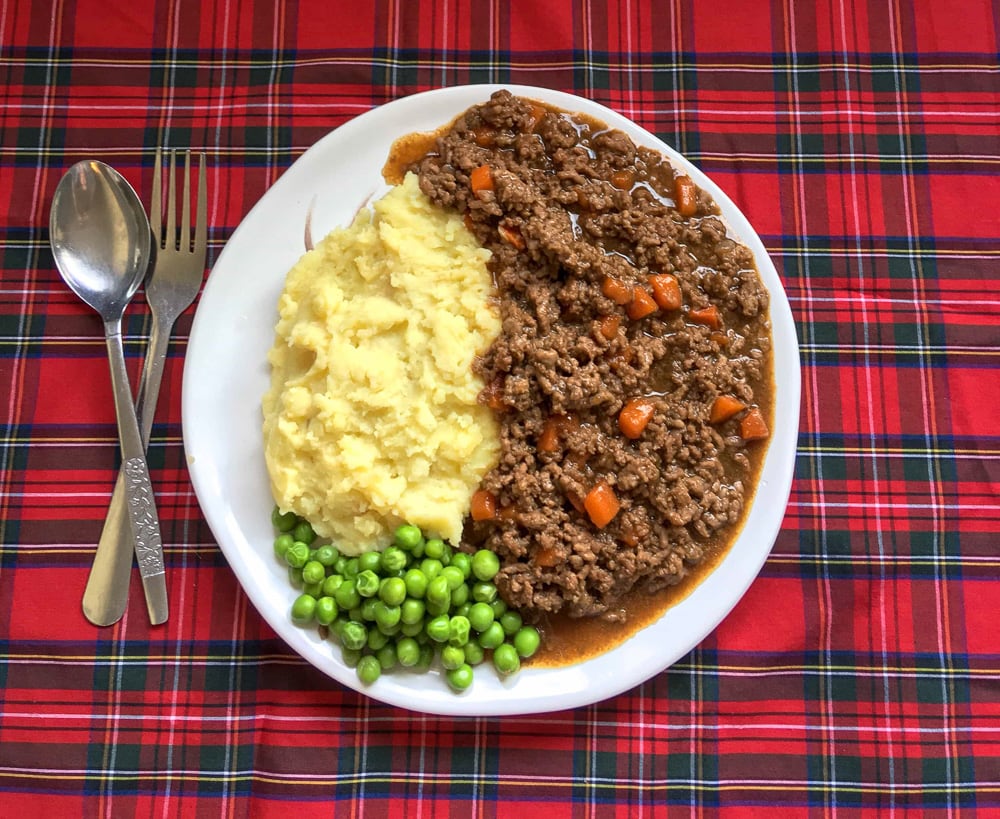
[[554, 426], [484, 136], [481, 179], [623, 180], [484, 505], [546, 557], [720, 338], [685, 195], [753, 427], [725, 407], [548, 441], [535, 119], [492, 395], [601, 504], [511, 236], [666, 291], [467, 221], [709, 316], [635, 416], [617, 290], [609, 326], [642, 304]]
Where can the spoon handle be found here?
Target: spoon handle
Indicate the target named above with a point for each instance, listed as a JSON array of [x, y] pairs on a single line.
[[139, 501], [106, 595]]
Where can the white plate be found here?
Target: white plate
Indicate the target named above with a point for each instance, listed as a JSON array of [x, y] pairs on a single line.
[[226, 375]]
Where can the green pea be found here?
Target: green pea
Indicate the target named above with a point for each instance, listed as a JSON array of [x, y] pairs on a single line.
[[511, 622], [369, 669], [411, 611], [431, 567], [412, 629], [392, 591], [340, 565], [327, 555], [463, 610], [297, 555], [326, 610], [499, 608], [304, 609], [358, 615], [481, 616], [439, 607], [282, 543], [351, 656], [526, 641], [367, 583], [505, 659], [354, 635], [485, 564], [492, 637], [393, 559], [369, 562], [474, 653], [453, 575], [438, 629], [407, 536], [460, 596], [460, 678], [434, 548], [407, 652], [387, 657], [452, 657], [347, 596], [351, 568], [376, 639], [313, 572], [368, 609], [438, 591], [484, 592], [386, 616], [426, 658], [315, 589], [283, 522], [304, 532], [337, 627], [458, 630], [295, 577], [417, 551], [462, 562], [331, 584], [416, 583]]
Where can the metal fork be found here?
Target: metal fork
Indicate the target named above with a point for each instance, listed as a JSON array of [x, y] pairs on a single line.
[[172, 284]]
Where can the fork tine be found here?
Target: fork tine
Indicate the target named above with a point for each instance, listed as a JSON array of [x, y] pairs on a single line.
[[201, 216], [156, 202], [171, 239], [185, 245]]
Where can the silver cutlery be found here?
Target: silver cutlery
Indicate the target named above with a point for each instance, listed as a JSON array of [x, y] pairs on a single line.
[[171, 286], [100, 241]]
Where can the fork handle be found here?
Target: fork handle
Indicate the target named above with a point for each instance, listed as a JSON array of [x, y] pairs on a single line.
[[106, 595]]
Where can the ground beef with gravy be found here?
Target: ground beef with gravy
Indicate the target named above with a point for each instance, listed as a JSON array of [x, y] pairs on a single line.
[[579, 219]]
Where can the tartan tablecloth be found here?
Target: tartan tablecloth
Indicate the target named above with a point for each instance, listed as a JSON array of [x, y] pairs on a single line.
[[860, 676]]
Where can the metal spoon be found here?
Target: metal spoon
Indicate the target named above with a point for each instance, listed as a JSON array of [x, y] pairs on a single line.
[[100, 240]]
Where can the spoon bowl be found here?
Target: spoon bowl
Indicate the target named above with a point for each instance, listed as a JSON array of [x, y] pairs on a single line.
[[99, 235], [100, 241]]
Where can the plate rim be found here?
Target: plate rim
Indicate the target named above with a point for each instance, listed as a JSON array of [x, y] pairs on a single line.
[[207, 484]]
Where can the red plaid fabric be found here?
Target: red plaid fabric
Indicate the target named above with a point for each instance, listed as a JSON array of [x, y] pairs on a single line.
[[860, 676]]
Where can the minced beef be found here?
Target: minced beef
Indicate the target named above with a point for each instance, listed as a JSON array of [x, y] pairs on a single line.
[[567, 205]]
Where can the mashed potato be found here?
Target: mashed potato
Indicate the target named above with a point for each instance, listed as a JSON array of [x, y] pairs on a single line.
[[371, 419]]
